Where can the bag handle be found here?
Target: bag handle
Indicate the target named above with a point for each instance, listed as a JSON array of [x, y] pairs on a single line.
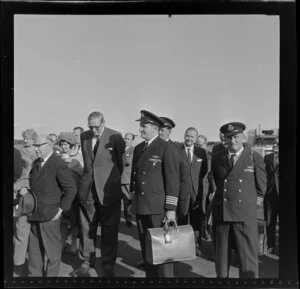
[[167, 226]]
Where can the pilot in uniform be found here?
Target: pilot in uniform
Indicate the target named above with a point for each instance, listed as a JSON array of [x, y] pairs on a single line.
[[240, 178], [154, 185]]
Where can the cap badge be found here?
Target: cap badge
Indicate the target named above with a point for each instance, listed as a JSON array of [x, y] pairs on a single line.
[[230, 127]]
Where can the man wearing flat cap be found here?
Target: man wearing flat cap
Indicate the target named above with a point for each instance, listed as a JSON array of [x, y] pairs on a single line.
[[55, 189], [154, 185], [240, 178]]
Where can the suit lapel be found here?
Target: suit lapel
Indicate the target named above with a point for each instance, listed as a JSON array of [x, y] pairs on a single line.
[[44, 168], [89, 146], [103, 141], [147, 152], [185, 157]]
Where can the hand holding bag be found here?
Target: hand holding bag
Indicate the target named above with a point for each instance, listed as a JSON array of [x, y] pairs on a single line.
[[170, 244]]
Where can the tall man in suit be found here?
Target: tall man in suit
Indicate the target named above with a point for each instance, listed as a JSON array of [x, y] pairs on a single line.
[[55, 189], [240, 179], [271, 200], [191, 191], [126, 176], [100, 193], [154, 185]]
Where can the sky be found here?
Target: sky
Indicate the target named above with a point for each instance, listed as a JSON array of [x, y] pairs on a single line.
[[199, 70]]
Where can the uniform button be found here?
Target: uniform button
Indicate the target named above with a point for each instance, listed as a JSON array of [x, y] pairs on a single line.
[[240, 201], [225, 180], [225, 199], [225, 190], [240, 190], [142, 193], [143, 183], [143, 173], [241, 180]]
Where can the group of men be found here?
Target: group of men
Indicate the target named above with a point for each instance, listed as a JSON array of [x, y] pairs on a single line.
[[159, 181]]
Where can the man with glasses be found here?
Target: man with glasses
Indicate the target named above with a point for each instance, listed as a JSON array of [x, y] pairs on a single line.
[[100, 194], [55, 189], [240, 178], [271, 200]]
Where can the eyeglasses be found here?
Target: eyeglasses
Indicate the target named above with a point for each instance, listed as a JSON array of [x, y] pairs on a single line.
[[39, 145], [94, 126]]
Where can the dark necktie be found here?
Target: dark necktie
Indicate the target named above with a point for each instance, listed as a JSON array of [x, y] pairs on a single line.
[[232, 159], [189, 156], [145, 146], [39, 164], [96, 146]]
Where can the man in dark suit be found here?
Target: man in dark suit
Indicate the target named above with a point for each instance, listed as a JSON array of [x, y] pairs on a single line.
[[100, 193], [240, 179], [55, 189], [126, 176], [222, 146], [271, 200], [191, 190], [154, 185]]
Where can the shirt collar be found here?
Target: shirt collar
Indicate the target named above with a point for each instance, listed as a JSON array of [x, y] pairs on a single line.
[[151, 140], [191, 148], [47, 157], [237, 154]]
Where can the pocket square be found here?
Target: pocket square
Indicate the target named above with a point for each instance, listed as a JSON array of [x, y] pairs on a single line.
[[110, 149], [199, 160]]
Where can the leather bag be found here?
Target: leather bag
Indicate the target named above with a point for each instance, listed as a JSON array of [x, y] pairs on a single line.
[[169, 244]]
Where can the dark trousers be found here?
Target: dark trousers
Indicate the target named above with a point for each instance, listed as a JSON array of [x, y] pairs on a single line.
[[145, 222], [125, 198], [44, 243], [91, 214], [244, 238], [271, 214]]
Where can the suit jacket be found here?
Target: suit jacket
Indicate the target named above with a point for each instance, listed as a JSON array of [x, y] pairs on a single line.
[[105, 168], [54, 188], [127, 163], [191, 179], [272, 169], [154, 178], [237, 188]]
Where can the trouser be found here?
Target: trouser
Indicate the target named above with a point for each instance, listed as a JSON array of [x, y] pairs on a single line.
[[125, 198], [245, 240], [145, 222], [20, 239], [91, 214], [271, 213], [44, 241]]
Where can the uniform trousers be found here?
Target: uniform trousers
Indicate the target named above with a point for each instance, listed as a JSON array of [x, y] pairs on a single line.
[[44, 241], [244, 238], [145, 222], [20, 239], [271, 203], [125, 197], [91, 214]]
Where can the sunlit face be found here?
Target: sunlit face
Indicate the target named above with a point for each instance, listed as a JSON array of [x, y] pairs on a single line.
[[164, 133], [28, 141], [77, 134], [128, 139], [201, 142], [43, 148], [95, 125], [147, 130], [65, 146], [235, 142], [190, 137]]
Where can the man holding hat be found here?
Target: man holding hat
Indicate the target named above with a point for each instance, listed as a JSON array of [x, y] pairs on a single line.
[[55, 189], [154, 185], [240, 178]]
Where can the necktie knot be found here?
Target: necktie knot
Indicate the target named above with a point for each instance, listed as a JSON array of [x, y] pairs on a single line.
[[145, 146], [232, 159], [189, 155], [96, 145]]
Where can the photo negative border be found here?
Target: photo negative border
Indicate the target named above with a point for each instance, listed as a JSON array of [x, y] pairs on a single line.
[[288, 270]]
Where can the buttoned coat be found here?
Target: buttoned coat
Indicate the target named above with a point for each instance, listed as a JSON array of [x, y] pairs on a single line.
[[53, 186], [272, 169], [105, 168], [154, 178], [127, 163], [191, 184], [238, 187]]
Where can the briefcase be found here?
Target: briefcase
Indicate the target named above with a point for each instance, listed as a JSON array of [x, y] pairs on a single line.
[[170, 244]]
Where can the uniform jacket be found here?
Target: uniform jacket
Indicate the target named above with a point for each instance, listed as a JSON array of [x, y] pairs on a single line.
[[53, 186], [191, 183], [105, 169], [272, 169], [127, 163], [237, 188], [154, 178]]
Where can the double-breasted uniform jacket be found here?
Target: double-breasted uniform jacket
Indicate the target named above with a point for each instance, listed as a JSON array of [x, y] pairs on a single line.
[[272, 169], [53, 186], [154, 178], [191, 183], [237, 188], [105, 168], [127, 163]]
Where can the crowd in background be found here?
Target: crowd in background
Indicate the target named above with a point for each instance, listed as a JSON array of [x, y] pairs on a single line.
[[66, 184]]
